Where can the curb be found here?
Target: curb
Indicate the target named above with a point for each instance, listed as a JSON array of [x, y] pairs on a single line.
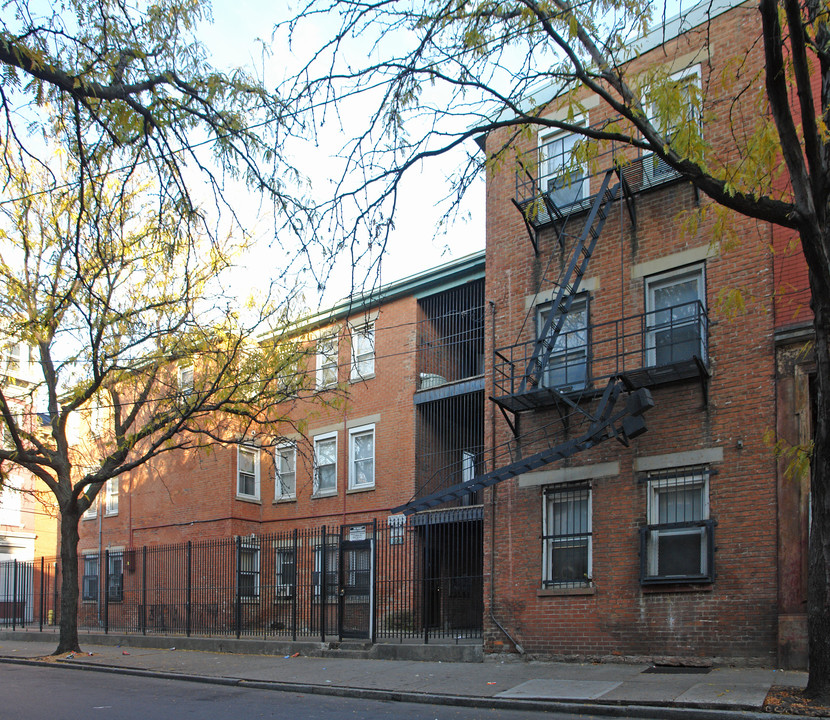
[[673, 711]]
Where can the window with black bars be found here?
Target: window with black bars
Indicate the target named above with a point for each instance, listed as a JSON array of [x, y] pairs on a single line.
[[677, 544], [567, 539]]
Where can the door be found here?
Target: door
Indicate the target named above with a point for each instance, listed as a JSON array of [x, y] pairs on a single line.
[[356, 589]]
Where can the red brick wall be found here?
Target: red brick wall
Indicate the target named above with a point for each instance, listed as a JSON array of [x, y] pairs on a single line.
[[735, 616], [192, 495]]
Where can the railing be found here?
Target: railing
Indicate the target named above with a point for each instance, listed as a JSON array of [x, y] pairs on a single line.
[[550, 184], [584, 358], [388, 579]]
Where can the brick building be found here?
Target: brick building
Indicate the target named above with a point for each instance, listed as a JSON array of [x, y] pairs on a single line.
[[667, 547], [389, 406]]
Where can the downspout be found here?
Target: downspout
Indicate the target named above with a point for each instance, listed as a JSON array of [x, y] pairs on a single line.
[[493, 491]]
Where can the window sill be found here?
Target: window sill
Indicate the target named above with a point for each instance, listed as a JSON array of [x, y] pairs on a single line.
[[564, 592], [284, 500], [248, 499], [361, 378], [366, 488], [326, 494], [111, 514]]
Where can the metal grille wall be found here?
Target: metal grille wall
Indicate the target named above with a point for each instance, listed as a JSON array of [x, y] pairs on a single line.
[[383, 579]]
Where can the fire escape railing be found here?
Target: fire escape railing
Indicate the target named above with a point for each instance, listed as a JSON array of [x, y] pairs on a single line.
[[550, 185], [645, 349]]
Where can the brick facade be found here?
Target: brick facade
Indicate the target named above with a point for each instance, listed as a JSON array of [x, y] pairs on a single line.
[[716, 427]]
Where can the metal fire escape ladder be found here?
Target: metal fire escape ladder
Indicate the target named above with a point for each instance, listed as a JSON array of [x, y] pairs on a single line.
[[568, 288], [623, 425]]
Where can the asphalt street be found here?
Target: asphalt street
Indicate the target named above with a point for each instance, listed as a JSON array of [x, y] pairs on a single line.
[[55, 693]]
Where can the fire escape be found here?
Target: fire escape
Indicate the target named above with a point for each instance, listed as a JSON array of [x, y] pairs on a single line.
[[599, 373]]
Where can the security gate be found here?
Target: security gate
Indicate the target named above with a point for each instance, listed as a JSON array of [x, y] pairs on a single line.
[[356, 608]]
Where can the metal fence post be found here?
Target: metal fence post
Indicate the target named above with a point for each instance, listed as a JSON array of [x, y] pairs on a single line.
[[425, 584], [373, 582], [14, 594], [188, 588], [42, 593], [238, 594], [322, 577], [144, 590], [106, 591], [295, 590]]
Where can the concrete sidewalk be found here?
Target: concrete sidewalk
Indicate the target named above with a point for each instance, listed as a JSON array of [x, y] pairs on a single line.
[[616, 689]]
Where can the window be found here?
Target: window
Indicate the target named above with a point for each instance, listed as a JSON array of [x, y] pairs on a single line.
[[247, 472], [363, 352], [567, 536], [362, 457], [285, 459], [92, 511], [564, 184], [677, 106], [286, 572], [675, 321], [10, 504], [111, 497], [185, 379], [677, 544], [11, 355], [326, 362], [567, 366], [325, 464], [331, 577], [116, 576], [89, 580], [247, 579], [98, 417]]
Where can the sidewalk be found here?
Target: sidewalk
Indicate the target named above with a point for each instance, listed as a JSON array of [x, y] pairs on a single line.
[[616, 689]]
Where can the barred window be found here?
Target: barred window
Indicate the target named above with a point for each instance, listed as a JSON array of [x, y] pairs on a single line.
[[677, 544], [247, 578], [567, 536]]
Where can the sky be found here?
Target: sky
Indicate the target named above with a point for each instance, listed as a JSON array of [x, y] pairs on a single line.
[[414, 245]]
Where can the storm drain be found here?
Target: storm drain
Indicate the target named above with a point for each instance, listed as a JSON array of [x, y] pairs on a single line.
[[676, 670]]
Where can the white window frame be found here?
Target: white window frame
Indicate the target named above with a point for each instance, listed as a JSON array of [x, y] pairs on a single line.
[[97, 419], [318, 441], [12, 357], [652, 283], [682, 479], [580, 304], [285, 450], [243, 449], [653, 167], [11, 503], [548, 167], [363, 352], [92, 511], [328, 352], [354, 433], [111, 497], [549, 542], [185, 378]]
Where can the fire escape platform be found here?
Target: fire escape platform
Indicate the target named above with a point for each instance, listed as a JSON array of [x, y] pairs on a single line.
[[650, 376]]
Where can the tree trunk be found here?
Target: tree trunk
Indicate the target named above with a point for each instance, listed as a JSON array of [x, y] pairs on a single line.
[[818, 592], [68, 640]]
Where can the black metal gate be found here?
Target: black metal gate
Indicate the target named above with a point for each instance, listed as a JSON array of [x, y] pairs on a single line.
[[356, 610]]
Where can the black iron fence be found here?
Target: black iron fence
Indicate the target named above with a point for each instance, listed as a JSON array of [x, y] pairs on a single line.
[[388, 579]]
